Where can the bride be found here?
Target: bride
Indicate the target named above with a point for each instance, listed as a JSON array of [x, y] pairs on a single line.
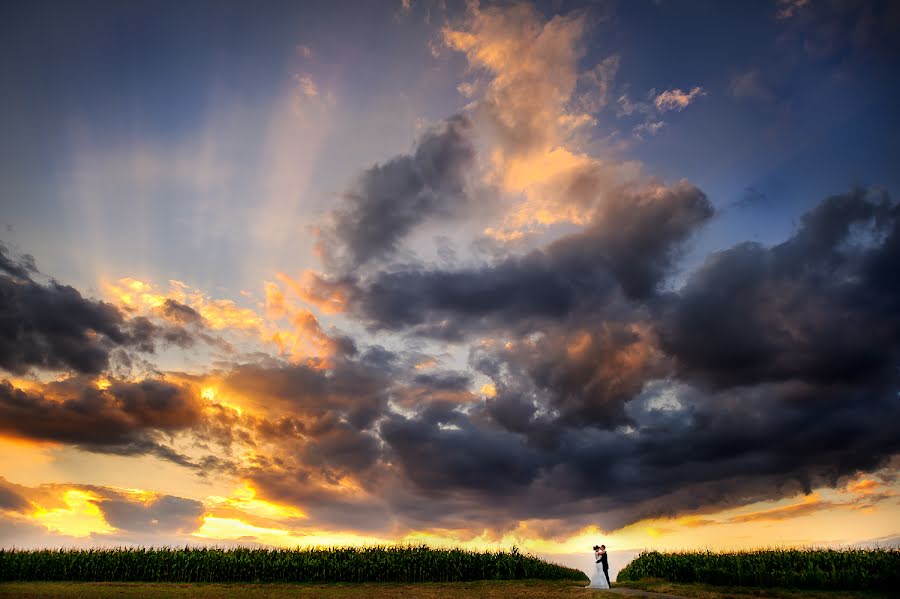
[[598, 580]]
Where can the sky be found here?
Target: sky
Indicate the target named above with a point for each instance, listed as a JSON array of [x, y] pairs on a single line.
[[477, 274]]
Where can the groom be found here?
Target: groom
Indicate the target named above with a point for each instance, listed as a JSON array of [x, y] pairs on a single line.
[[604, 562]]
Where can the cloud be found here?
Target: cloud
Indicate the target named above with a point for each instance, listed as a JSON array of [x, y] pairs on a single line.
[[840, 31], [771, 372], [304, 339], [656, 104], [354, 390], [675, 99], [161, 514], [533, 66], [78, 514], [388, 200], [811, 504], [123, 418], [190, 314], [631, 243], [819, 307], [599, 82], [788, 8], [52, 326], [536, 105], [19, 267], [11, 498], [648, 128], [627, 108], [750, 84], [674, 391], [175, 311], [306, 86]]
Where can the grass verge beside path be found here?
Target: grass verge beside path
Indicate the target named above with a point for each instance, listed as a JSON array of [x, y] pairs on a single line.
[[491, 589], [527, 589], [705, 591]]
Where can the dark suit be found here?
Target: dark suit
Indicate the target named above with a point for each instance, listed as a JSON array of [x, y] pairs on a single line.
[[604, 563]]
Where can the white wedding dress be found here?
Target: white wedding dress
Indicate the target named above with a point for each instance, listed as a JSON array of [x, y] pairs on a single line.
[[598, 580]]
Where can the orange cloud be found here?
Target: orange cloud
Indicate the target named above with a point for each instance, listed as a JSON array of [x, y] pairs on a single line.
[[145, 298], [810, 504], [245, 501], [78, 516], [534, 67], [426, 363], [329, 298], [532, 115], [865, 486], [305, 339], [675, 99]]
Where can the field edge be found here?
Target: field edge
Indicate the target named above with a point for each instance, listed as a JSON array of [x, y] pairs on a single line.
[[708, 591]]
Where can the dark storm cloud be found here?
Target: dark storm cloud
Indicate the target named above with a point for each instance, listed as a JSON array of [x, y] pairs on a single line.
[[842, 29], [444, 381], [11, 498], [175, 311], [629, 248], [390, 199], [341, 448], [585, 371], [822, 307], [773, 371], [351, 389], [315, 430], [459, 457], [21, 267], [322, 428], [121, 419], [705, 452], [52, 326], [776, 373], [163, 514]]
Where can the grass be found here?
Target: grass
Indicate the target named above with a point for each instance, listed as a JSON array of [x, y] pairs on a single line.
[[526, 589], [824, 569], [708, 591], [485, 589]]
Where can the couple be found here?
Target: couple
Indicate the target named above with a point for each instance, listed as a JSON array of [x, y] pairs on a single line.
[[600, 579]]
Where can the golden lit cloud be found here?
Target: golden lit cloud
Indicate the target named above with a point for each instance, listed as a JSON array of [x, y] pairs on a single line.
[[315, 291], [244, 498], [301, 340], [145, 298], [426, 363], [811, 503], [864, 486], [233, 529], [532, 117], [79, 517]]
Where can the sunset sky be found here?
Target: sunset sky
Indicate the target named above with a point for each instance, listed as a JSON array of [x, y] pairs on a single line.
[[495, 274]]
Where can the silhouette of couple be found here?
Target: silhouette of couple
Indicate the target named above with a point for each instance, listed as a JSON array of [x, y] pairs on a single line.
[[600, 579]]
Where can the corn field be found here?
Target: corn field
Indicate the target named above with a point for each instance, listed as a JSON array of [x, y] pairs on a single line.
[[848, 569], [332, 564]]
